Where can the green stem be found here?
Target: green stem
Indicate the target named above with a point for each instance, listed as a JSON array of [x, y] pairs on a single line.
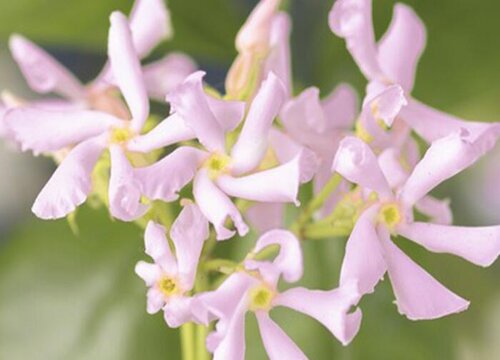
[[315, 232], [220, 265], [201, 284], [187, 341]]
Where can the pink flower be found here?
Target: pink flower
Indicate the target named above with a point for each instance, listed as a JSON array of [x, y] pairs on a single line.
[[370, 251], [255, 290], [172, 275]]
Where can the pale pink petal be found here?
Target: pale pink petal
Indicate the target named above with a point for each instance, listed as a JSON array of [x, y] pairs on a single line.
[[158, 249], [330, 308], [341, 107], [252, 142], [177, 311], [150, 24], [386, 105], [479, 245], [170, 131], [150, 273], [188, 233], [163, 75], [126, 69], [445, 158], [418, 295], [266, 216], [216, 206], [45, 131], [164, 179], [277, 343], [390, 162], [124, 188], [352, 20], [71, 183], [44, 73], [438, 210], [363, 260], [155, 300], [357, 163], [229, 114], [400, 48], [190, 102], [279, 184]]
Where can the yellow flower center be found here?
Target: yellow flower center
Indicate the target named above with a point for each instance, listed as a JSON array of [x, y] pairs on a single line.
[[390, 215], [168, 286], [121, 135], [261, 298], [217, 164]]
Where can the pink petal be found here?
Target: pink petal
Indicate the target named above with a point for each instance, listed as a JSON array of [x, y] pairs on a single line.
[[216, 206], [170, 131], [252, 142], [357, 163], [164, 75], [155, 300], [177, 311], [400, 48], [352, 20], [190, 102], [127, 70], [390, 162], [158, 249], [386, 105], [418, 295], [330, 308], [479, 245], [150, 273], [45, 131], [164, 179], [150, 24], [438, 210], [124, 189], [71, 183], [188, 233], [277, 343], [44, 73], [229, 114], [363, 259], [279, 184], [341, 107], [266, 216]]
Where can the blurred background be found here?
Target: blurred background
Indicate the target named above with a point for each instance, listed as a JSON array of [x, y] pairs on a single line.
[[76, 297]]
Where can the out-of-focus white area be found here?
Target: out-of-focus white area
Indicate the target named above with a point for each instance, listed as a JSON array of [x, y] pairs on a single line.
[[21, 174]]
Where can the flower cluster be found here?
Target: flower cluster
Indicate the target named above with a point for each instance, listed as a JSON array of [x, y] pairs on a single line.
[[238, 158]]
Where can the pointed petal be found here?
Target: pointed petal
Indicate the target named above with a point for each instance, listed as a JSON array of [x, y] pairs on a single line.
[[400, 48], [363, 259], [177, 311], [266, 216], [228, 113], [357, 163], [438, 210], [164, 179], [188, 233], [150, 273], [158, 249], [127, 70], [43, 73], [71, 183], [216, 206], [352, 20], [163, 75], [124, 189], [330, 308], [252, 142], [479, 245], [45, 130], [190, 102], [277, 343], [418, 295], [341, 107]]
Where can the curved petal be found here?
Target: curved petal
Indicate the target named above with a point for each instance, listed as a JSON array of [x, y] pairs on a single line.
[[188, 233], [158, 249], [341, 107], [163, 75], [124, 189], [445, 158], [45, 131], [155, 300], [438, 210], [252, 142], [330, 308], [277, 343], [150, 273], [71, 183], [363, 260], [386, 105], [229, 113], [391, 164], [127, 70], [479, 245], [266, 216], [418, 295], [164, 179], [279, 184], [352, 20], [216, 206], [42, 72], [401, 46], [177, 311], [190, 102], [357, 163]]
